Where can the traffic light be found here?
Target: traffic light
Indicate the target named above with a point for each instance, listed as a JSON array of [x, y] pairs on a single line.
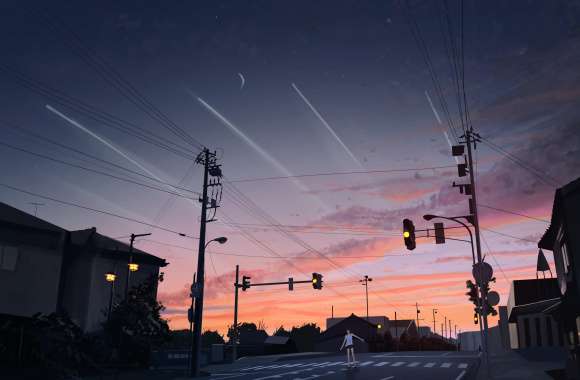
[[475, 319], [317, 281], [409, 234], [472, 293], [245, 283]]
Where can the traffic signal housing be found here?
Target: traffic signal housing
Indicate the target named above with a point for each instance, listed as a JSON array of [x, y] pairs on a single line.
[[317, 281], [472, 292], [245, 283], [409, 234]]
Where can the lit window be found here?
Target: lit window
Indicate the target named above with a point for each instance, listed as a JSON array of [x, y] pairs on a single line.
[[133, 267]]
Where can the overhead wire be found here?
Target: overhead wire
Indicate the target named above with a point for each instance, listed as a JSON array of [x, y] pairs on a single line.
[[92, 209]]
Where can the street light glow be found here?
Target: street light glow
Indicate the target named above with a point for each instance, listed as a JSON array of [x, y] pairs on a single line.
[[133, 267], [110, 277]]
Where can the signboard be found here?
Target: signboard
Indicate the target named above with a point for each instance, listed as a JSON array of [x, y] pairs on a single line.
[[482, 272]]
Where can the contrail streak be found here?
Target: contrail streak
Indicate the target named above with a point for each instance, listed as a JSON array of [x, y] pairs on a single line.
[[328, 127], [112, 147], [261, 151], [440, 123]]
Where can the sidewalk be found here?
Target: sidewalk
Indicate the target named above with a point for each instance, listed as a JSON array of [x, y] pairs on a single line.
[[513, 366]]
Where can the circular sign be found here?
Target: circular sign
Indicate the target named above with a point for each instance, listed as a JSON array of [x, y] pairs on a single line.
[[493, 298], [482, 272]]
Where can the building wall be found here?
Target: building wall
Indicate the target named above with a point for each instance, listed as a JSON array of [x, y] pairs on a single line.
[[537, 330], [29, 274]]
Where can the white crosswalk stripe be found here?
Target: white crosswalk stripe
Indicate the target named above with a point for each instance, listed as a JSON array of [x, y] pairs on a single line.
[[429, 365], [462, 365], [366, 363], [397, 364], [380, 364], [414, 364], [446, 365]]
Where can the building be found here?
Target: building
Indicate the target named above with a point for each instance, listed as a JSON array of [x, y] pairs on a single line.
[[403, 326], [331, 339], [45, 268], [563, 239], [380, 321]]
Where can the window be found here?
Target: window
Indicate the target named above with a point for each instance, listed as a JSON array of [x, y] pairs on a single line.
[[565, 257], [527, 338], [549, 331], [538, 332], [8, 257]]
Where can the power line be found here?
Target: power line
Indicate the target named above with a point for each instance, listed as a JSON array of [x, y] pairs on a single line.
[[514, 213], [96, 171], [95, 114], [509, 236], [63, 146], [111, 75], [97, 211], [322, 174]]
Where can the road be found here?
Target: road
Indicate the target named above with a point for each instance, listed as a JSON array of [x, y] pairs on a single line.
[[441, 365]]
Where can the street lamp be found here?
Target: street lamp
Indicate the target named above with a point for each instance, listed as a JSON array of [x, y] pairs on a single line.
[[221, 240], [365, 282], [455, 219], [110, 277], [131, 266]]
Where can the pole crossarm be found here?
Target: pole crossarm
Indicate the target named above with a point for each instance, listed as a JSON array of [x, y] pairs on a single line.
[[275, 283]]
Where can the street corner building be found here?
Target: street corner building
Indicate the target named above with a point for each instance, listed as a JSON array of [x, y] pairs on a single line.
[[563, 239], [47, 269]]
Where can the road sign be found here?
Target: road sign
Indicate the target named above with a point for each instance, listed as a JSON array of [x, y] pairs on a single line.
[[493, 298], [482, 272]]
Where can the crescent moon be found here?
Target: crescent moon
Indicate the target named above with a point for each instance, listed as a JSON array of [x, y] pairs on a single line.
[[242, 79]]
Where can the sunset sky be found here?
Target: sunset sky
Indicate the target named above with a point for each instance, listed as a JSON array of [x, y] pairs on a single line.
[[291, 88]]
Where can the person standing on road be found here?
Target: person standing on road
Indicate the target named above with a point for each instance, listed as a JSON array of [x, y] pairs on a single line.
[[349, 344]]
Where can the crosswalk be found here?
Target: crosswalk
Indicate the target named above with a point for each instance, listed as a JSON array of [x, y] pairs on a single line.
[[368, 363]]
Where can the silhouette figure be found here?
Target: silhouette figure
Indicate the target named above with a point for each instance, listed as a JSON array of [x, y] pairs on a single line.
[[349, 344]]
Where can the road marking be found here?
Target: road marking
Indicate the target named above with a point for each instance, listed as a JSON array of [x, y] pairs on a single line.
[[429, 365], [462, 365], [388, 378], [445, 354], [334, 363], [380, 364], [414, 364], [461, 375], [254, 367], [446, 365], [397, 364], [366, 363]]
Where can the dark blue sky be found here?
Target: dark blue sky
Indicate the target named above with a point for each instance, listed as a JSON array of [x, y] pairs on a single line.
[[355, 61]]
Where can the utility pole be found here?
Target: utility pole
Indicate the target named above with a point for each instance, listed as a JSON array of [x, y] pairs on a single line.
[[450, 335], [365, 282], [36, 204], [469, 139], [434, 312], [210, 168], [396, 331], [235, 329], [131, 266], [418, 311], [445, 329]]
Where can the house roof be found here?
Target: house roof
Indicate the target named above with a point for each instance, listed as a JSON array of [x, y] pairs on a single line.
[[547, 241], [532, 308], [275, 339], [12, 215], [401, 323], [113, 247], [339, 328]]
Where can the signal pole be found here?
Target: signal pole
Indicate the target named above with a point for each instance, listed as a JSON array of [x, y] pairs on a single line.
[[235, 330], [210, 168]]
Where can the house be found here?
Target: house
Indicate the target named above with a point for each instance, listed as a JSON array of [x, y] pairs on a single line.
[[331, 339], [45, 268], [563, 239], [403, 326], [529, 325], [381, 321], [276, 345]]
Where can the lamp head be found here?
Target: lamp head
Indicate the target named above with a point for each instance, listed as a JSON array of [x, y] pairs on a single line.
[[428, 217], [221, 239]]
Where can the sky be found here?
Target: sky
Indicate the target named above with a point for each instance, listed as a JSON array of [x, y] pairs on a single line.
[[280, 89]]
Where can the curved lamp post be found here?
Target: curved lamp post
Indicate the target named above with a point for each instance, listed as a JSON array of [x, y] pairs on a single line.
[[455, 219]]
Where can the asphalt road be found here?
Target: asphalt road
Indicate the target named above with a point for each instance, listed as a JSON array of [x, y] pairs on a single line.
[[441, 365]]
